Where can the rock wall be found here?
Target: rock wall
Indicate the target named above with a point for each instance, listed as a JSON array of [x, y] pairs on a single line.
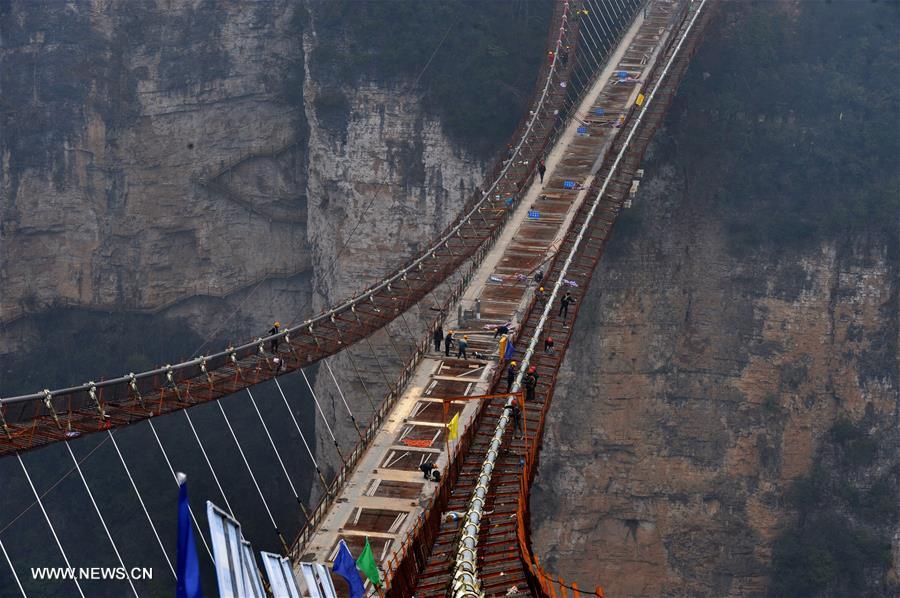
[[697, 386], [128, 130], [726, 418]]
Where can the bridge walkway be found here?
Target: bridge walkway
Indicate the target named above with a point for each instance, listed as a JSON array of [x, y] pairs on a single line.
[[500, 567], [386, 495]]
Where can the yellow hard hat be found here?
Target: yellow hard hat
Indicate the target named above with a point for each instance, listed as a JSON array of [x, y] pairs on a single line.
[[512, 363], [541, 289], [465, 337], [277, 324]]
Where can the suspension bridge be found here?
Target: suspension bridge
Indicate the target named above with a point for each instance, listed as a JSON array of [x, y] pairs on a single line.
[[611, 70]]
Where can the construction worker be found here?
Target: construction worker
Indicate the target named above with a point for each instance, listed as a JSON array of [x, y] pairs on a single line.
[[530, 385], [539, 296], [426, 469], [461, 348], [542, 168], [564, 305], [511, 372], [548, 346], [448, 343], [501, 329], [436, 475], [438, 337], [539, 277], [516, 414], [274, 343]]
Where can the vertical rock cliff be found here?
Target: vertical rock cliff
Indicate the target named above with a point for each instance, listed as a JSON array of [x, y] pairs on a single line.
[[731, 390]]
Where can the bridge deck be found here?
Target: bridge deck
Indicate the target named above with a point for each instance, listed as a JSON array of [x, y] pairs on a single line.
[[500, 567], [386, 494], [388, 477]]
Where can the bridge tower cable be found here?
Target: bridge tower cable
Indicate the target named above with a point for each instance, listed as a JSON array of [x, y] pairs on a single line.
[[49, 523], [100, 515], [278, 456], [303, 438], [252, 477], [13, 569], [175, 477], [143, 506]]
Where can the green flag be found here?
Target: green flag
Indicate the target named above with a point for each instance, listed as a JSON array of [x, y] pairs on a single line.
[[366, 564]]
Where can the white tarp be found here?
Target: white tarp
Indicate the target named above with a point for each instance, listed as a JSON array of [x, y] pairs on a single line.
[[318, 580], [236, 571]]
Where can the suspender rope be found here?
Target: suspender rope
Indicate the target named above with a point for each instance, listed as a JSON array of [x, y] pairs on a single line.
[[143, 506], [378, 361], [100, 515], [324, 419], [208, 463], [278, 455], [303, 438], [361, 380], [340, 392], [252, 477], [387, 331], [49, 523], [175, 477], [13, 569]]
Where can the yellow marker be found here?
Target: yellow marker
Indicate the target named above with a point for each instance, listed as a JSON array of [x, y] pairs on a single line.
[[453, 427], [640, 99]]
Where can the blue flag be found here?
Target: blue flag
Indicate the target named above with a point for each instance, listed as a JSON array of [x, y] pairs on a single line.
[[510, 351], [345, 566], [188, 585]]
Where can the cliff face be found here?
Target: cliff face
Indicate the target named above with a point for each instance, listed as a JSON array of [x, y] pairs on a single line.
[[696, 389], [186, 160], [711, 373]]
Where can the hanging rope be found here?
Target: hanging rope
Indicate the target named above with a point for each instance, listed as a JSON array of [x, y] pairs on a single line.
[[303, 438], [49, 523], [378, 361], [324, 419], [13, 569], [143, 506], [361, 380], [278, 455], [208, 463], [252, 477], [175, 477], [100, 515], [340, 392]]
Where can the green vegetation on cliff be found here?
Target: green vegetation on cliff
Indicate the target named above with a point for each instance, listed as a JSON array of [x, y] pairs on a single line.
[[795, 119], [475, 62]]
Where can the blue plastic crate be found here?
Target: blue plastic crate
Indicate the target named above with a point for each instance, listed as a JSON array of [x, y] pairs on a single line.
[[569, 185], [582, 130], [534, 214]]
